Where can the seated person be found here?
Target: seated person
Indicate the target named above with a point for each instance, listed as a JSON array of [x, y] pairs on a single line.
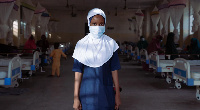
[[30, 44], [170, 46], [194, 48], [155, 45], [142, 44]]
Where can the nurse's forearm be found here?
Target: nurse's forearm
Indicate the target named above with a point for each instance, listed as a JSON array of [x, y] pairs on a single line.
[[116, 81], [77, 83]]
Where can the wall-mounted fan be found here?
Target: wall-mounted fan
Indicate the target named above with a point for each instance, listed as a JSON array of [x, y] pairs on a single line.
[[67, 5]]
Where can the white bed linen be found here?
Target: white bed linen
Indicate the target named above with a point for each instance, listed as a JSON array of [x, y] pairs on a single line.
[[5, 61], [194, 62], [195, 72], [164, 63], [161, 56], [27, 61], [3, 72]]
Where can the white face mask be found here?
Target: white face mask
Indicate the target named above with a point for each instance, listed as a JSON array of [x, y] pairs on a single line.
[[97, 31], [142, 39]]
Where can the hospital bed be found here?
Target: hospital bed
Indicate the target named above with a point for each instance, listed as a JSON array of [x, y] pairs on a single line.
[[10, 72], [150, 57], [136, 54], [165, 67], [123, 49], [144, 56], [160, 65], [188, 73], [156, 61], [130, 52], [129, 49], [30, 63]]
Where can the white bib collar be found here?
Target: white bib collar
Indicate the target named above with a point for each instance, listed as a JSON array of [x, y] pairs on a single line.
[[94, 52]]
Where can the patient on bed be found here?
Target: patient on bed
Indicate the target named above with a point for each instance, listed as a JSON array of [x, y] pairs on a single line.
[[155, 45], [171, 47], [56, 54], [30, 44], [194, 48]]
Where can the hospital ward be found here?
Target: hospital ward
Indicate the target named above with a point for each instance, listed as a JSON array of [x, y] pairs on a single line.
[[99, 54]]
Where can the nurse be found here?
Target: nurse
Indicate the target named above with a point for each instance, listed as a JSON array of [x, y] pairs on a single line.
[[96, 66]]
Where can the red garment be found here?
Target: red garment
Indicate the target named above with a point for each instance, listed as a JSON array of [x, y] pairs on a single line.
[[30, 44], [154, 45]]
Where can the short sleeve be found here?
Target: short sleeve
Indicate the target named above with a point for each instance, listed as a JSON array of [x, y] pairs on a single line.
[[78, 66], [115, 64]]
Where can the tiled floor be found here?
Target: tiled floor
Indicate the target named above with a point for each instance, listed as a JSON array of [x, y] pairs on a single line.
[[141, 91]]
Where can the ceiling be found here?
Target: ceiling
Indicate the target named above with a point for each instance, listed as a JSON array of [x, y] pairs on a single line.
[[103, 4]]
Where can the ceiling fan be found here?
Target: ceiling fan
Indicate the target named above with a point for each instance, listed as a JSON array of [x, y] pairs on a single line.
[[126, 8], [116, 11], [72, 13], [67, 5], [71, 8], [121, 10]]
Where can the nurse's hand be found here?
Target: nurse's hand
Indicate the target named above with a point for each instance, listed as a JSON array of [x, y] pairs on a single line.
[[117, 101], [77, 104]]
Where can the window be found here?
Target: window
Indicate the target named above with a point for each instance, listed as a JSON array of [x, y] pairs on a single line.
[[50, 36], [171, 26], [191, 24], [46, 34], [33, 31], [179, 29], [24, 30], [191, 19], [15, 28]]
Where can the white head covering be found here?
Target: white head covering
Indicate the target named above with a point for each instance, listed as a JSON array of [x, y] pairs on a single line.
[[94, 52], [93, 12]]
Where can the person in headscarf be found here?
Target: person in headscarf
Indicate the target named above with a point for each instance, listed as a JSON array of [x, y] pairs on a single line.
[[142, 44], [30, 44], [155, 45], [170, 46], [96, 66], [194, 48], [43, 44]]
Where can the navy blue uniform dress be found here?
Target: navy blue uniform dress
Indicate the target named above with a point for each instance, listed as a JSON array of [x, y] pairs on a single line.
[[96, 91]]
